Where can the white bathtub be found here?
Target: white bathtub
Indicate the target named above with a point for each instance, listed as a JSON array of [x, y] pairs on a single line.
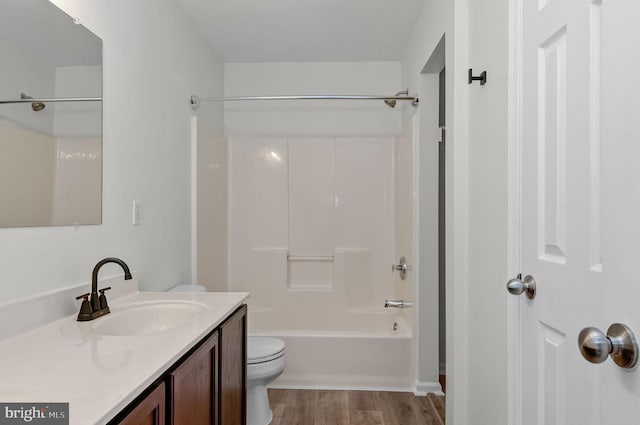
[[353, 349]]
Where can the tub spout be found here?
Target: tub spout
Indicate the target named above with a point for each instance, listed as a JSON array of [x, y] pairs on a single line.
[[397, 304]]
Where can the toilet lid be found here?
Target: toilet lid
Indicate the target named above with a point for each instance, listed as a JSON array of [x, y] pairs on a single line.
[[262, 348]]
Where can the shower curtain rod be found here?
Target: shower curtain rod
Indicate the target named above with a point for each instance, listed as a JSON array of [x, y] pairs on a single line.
[[54, 99], [195, 100]]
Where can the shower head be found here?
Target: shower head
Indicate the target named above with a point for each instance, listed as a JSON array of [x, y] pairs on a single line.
[[36, 106], [391, 103]]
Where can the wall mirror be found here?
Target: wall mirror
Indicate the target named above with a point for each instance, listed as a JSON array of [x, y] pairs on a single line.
[[50, 117]]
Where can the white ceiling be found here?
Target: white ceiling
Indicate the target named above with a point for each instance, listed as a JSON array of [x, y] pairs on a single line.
[[305, 30]]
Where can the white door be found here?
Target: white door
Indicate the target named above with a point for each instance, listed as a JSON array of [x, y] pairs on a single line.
[[579, 205], [620, 198]]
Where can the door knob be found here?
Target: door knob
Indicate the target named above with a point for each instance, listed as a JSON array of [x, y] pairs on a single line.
[[517, 286], [619, 343], [402, 268]]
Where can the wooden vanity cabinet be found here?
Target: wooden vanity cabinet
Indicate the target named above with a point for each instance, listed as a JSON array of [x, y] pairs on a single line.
[[233, 369], [193, 387], [150, 410], [207, 386]]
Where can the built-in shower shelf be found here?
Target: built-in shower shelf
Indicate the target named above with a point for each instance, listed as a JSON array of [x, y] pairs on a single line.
[[311, 287], [310, 273], [310, 258]]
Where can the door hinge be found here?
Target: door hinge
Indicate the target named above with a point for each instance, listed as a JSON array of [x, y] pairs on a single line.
[[443, 133]]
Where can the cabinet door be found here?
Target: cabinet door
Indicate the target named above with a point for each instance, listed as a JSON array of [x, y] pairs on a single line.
[[149, 411], [233, 368], [193, 386]]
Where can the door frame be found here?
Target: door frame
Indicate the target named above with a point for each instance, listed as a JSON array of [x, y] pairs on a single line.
[[514, 181], [426, 271]]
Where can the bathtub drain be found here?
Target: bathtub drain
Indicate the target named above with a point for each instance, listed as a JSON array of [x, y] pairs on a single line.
[[395, 326]]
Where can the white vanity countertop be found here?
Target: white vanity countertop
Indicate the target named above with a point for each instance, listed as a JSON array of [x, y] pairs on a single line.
[[65, 361]]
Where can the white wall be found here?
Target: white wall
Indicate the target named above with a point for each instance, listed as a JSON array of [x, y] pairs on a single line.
[[440, 18], [153, 60], [476, 34], [313, 117], [487, 331], [212, 201], [428, 258]]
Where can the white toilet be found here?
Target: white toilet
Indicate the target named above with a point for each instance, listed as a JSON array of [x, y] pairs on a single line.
[[265, 362]]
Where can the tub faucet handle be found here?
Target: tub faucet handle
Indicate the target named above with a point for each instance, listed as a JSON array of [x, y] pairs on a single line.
[[402, 267]]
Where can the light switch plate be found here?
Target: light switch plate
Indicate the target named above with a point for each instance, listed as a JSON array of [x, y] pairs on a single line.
[[137, 212]]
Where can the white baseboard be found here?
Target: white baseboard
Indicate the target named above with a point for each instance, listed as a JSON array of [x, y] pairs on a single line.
[[423, 388], [419, 388], [340, 388]]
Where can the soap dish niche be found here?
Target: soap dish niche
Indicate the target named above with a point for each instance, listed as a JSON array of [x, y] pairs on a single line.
[[310, 273]]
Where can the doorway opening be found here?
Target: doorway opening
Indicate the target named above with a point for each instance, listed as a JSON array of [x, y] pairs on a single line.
[[442, 355], [431, 285]]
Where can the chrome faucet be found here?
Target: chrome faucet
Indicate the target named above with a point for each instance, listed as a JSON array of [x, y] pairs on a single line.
[[397, 304], [97, 306]]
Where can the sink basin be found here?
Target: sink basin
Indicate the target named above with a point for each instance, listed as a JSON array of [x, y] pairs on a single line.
[[148, 318]]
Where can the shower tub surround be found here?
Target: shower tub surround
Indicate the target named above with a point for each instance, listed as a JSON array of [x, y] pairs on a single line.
[[311, 237]]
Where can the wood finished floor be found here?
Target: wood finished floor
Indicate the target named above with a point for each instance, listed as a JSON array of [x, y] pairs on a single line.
[[318, 407]]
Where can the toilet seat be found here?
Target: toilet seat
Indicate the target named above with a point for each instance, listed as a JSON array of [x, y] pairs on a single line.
[[261, 349]]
